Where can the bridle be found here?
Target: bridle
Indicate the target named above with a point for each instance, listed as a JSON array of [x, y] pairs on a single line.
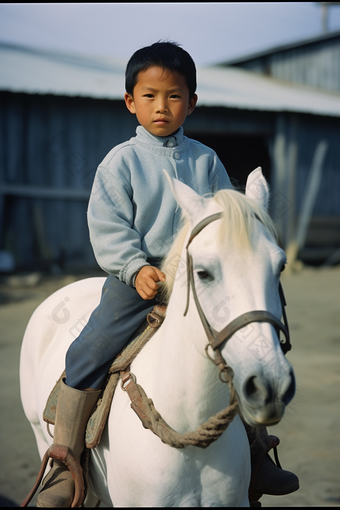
[[216, 339]]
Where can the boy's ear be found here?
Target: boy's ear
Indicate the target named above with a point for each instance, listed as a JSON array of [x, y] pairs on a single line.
[[192, 104], [130, 104]]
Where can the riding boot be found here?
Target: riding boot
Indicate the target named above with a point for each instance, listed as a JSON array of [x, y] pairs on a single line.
[[266, 476], [73, 411]]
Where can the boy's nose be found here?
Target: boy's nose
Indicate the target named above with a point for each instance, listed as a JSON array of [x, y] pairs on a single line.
[[162, 107]]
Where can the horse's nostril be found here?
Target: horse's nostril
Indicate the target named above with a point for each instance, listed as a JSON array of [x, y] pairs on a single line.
[[288, 390], [256, 392], [249, 387]]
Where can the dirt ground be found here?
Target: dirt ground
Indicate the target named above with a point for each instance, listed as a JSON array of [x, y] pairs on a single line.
[[309, 431]]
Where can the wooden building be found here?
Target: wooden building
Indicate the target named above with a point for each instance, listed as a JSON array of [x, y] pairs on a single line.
[[314, 63], [61, 113]]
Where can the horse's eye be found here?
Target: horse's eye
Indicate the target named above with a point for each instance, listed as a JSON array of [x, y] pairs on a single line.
[[204, 275], [282, 268]]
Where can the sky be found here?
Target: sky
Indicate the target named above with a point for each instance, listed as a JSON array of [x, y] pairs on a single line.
[[211, 32]]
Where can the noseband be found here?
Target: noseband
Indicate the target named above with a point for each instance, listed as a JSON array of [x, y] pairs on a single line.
[[216, 339]]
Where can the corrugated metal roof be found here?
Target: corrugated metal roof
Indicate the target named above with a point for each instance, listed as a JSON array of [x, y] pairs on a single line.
[[238, 88], [38, 71], [282, 48], [35, 71]]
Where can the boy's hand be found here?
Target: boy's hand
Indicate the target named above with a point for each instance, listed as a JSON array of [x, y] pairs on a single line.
[[146, 279]]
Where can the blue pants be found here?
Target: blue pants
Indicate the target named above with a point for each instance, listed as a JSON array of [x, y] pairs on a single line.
[[120, 311]]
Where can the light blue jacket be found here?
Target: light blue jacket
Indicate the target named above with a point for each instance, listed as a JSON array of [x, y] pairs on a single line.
[[132, 214]]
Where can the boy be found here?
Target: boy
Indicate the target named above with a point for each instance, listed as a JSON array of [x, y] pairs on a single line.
[[132, 218]]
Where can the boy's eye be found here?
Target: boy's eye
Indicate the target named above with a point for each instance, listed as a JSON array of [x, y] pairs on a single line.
[[148, 95]]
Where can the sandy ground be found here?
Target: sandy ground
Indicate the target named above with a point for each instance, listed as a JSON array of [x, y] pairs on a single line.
[[309, 431]]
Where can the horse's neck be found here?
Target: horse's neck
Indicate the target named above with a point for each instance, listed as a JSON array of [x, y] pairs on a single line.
[[187, 389]]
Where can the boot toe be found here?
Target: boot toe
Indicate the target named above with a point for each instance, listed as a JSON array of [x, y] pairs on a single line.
[[57, 490], [275, 481]]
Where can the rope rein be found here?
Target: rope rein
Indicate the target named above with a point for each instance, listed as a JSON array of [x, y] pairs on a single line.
[[202, 437], [213, 428]]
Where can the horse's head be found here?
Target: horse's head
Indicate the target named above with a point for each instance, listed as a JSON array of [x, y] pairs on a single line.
[[235, 265]]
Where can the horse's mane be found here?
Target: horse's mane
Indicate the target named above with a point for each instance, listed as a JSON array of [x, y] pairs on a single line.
[[238, 211]]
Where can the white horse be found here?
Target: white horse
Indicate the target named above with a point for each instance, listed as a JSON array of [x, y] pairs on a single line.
[[236, 265]]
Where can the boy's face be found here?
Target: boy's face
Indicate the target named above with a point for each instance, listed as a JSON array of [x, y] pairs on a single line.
[[160, 100]]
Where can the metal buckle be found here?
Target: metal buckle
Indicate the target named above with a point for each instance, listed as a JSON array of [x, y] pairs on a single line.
[[125, 382], [154, 320]]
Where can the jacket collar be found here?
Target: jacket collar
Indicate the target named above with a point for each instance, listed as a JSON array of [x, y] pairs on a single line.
[[160, 141]]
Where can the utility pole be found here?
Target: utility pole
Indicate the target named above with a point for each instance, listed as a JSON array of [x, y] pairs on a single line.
[[324, 14], [324, 7]]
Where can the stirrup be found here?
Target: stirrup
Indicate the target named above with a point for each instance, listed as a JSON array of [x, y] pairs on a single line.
[[64, 454]]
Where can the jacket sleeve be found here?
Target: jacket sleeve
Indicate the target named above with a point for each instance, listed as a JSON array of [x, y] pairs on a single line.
[[116, 244], [218, 176]]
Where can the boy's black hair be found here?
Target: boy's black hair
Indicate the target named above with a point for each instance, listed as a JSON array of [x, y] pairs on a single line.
[[168, 55]]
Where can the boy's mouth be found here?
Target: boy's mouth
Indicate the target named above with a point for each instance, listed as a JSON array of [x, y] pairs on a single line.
[[161, 121]]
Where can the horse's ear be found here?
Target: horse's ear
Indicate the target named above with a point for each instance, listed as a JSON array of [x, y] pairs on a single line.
[[257, 188], [189, 201]]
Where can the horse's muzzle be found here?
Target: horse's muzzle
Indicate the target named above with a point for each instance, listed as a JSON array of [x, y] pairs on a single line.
[[263, 404]]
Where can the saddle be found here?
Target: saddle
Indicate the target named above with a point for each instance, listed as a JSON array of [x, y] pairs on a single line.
[[98, 418]]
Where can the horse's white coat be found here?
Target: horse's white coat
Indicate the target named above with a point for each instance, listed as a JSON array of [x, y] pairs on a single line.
[[131, 466]]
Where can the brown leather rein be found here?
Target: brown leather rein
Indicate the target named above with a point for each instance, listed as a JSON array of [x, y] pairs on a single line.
[[216, 339]]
